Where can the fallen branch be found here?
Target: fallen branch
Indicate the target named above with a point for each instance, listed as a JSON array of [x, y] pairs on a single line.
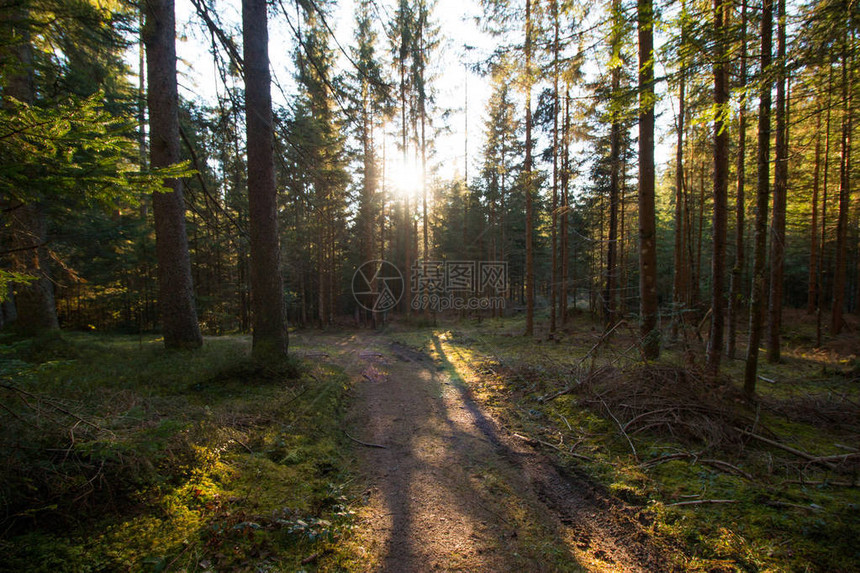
[[645, 414], [727, 467], [837, 457], [823, 482], [701, 501], [603, 337], [562, 392], [718, 464], [565, 422], [663, 459], [702, 323], [367, 444], [51, 403], [311, 558], [795, 505], [800, 453], [620, 427], [242, 444], [533, 441]]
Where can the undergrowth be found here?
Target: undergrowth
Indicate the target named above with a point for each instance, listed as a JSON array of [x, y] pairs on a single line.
[[116, 455], [688, 454]]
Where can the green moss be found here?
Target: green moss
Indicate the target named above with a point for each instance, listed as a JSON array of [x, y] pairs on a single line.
[[182, 461]]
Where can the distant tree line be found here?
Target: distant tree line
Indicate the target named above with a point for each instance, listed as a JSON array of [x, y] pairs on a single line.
[[128, 208]]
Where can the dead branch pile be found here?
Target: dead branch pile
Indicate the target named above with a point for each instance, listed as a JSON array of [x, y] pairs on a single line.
[[837, 411], [658, 399]]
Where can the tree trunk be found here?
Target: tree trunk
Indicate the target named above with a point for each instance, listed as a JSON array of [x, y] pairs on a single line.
[[679, 295], [175, 288], [721, 183], [740, 200], [812, 297], [762, 200], [647, 214], [700, 238], [527, 170], [425, 254], [610, 281], [35, 307], [565, 183], [844, 198], [555, 74], [141, 109], [780, 198], [407, 287], [823, 262], [609, 307], [269, 322]]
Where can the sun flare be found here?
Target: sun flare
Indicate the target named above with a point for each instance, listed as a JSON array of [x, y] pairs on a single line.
[[405, 177]]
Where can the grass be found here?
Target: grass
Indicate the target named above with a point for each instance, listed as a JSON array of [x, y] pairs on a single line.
[[121, 456], [773, 522]]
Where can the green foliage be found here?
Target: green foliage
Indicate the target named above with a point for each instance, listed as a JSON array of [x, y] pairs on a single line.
[[9, 277], [74, 154]]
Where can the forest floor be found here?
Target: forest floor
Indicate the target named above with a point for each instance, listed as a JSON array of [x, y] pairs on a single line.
[[462, 446], [501, 453], [448, 489]]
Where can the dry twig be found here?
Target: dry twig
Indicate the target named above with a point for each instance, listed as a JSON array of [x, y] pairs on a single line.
[[533, 441], [700, 502], [367, 444]]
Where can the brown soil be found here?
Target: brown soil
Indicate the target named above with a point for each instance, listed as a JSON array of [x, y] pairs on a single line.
[[452, 491]]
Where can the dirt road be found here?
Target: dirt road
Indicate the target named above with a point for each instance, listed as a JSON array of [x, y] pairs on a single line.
[[449, 490]]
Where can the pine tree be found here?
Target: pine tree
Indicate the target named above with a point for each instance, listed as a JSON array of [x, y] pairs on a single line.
[[647, 215], [740, 198], [762, 199], [780, 195], [175, 289], [721, 183], [528, 175], [371, 98], [36, 309], [269, 320]]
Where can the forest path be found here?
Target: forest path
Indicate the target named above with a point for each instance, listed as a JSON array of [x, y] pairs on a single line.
[[452, 491]]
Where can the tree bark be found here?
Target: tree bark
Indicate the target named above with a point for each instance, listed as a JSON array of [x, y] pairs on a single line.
[[762, 201], [812, 297], [740, 199], [267, 302], [555, 74], [175, 288], [679, 295], [609, 306], [823, 262], [565, 184], [610, 281], [647, 214], [839, 277], [780, 198], [527, 170], [721, 183]]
